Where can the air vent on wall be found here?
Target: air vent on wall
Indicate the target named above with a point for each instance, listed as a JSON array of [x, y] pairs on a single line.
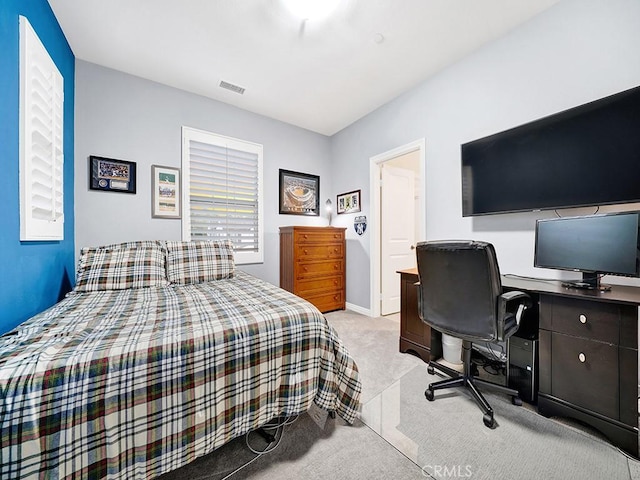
[[232, 87]]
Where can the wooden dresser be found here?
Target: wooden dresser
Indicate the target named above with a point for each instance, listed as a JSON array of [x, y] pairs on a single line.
[[312, 265]]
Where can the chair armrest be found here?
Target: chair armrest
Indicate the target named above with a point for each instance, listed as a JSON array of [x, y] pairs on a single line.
[[506, 303]]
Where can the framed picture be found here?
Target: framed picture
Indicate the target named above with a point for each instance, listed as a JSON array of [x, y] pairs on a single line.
[[299, 193], [112, 175], [349, 202], [165, 192]]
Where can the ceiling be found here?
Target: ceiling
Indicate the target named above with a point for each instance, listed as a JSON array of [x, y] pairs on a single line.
[[321, 75]]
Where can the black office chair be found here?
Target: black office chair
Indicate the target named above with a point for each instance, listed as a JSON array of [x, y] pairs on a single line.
[[460, 294]]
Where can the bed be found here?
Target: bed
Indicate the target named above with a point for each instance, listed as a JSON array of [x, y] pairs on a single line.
[[163, 352]]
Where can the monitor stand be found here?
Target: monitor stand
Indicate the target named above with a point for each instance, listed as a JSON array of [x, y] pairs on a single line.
[[590, 281]]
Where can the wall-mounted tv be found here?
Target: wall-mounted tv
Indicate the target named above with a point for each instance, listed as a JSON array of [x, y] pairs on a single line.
[[587, 155], [594, 245]]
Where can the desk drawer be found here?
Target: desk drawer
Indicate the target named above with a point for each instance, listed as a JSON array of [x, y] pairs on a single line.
[[314, 269], [584, 318], [585, 373]]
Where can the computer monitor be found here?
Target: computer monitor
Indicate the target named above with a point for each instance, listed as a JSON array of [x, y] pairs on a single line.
[[595, 245]]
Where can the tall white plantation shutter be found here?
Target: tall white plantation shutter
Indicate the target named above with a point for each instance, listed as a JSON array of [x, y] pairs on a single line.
[[223, 192], [41, 134]]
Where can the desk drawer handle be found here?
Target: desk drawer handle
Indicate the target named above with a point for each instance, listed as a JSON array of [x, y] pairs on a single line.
[[583, 318], [582, 357]]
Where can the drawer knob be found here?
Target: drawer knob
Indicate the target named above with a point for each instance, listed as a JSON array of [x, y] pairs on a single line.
[[306, 236], [335, 267], [306, 252], [582, 357], [583, 318]]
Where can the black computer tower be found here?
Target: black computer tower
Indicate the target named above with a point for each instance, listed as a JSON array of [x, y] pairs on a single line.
[[522, 372]]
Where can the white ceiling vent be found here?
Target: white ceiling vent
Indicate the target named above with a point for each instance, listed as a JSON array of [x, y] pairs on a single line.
[[232, 87]]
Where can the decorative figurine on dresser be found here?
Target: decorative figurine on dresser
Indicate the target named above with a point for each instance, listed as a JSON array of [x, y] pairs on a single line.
[[312, 265]]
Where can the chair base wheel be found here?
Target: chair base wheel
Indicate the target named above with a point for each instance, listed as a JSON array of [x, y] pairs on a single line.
[[428, 393], [488, 420], [431, 370], [516, 401]]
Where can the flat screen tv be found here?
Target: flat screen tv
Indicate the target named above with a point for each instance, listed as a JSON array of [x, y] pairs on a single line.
[[595, 245], [588, 155]]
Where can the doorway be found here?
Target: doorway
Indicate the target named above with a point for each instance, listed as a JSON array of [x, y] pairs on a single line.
[[397, 220]]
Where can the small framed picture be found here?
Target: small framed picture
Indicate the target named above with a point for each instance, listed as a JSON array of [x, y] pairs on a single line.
[[111, 175], [299, 193], [349, 202], [165, 192]]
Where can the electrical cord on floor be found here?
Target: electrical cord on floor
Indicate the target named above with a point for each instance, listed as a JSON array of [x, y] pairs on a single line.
[[494, 365], [274, 440]]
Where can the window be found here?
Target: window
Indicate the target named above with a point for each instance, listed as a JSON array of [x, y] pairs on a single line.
[[41, 147], [222, 193]]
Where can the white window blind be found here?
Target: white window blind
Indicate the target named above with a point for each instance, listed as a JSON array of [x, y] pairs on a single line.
[[223, 192], [41, 145]]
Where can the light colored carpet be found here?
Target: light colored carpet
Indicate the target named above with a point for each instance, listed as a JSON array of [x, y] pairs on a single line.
[[449, 433], [445, 434], [307, 452], [374, 344]]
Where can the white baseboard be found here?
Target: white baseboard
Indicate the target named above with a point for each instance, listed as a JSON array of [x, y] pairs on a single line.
[[358, 309]]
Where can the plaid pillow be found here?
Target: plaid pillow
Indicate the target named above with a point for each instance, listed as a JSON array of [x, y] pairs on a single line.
[[199, 261], [121, 266]]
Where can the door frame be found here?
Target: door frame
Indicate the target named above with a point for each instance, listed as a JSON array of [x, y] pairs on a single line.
[[375, 163]]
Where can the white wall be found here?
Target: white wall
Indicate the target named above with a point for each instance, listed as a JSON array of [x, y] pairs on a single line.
[[129, 118], [575, 52]]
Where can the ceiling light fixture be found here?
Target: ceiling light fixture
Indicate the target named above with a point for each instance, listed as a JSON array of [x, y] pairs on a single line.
[[311, 9]]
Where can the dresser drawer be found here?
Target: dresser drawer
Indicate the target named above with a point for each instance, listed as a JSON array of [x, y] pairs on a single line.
[[585, 373], [318, 236], [320, 285], [326, 302], [584, 318], [315, 269], [310, 252]]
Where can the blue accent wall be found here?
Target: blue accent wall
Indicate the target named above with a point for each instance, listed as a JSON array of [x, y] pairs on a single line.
[[33, 275]]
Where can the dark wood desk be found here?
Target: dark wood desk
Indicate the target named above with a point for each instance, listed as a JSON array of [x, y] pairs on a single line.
[[588, 351], [415, 336], [588, 356]]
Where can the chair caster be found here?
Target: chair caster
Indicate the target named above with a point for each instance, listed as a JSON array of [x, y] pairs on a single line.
[[488, 420], [516, 400], [431, 370], [428, 393]]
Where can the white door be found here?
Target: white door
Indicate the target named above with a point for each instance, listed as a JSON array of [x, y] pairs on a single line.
[[398, 232]]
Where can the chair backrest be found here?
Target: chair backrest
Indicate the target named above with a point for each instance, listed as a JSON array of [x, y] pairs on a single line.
[[459, 288]]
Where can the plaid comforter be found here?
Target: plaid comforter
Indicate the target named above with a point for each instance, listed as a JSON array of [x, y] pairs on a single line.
[[134, 383]]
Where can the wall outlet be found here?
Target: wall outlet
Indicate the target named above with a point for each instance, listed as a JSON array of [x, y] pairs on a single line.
[[318, 415]]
